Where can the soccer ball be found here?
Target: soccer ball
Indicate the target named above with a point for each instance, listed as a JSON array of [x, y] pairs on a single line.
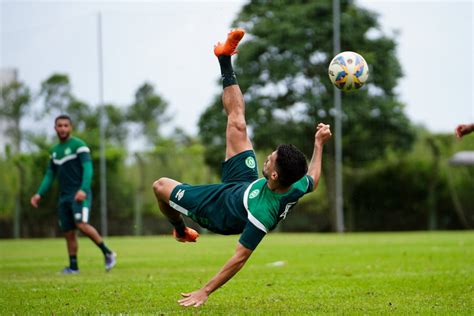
[[348, 71]]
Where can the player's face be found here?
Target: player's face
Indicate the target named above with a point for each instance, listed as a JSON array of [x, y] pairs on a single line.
[[63, 128], [269, 170]]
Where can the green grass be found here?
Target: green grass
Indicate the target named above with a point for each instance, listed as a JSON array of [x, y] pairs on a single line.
[[378, 274]]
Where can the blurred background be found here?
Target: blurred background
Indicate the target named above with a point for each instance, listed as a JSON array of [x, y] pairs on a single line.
[[141, 80]]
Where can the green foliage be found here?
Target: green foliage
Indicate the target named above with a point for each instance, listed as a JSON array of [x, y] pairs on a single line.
[[412, 191], [56, 91], [350, 274], [148, 111], [14, 105], [8, 189]]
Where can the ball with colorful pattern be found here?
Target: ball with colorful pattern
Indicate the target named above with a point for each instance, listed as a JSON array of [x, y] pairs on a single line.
[[348, 71]]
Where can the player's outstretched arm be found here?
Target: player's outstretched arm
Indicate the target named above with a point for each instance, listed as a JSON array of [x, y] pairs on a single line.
[[45, 185], [199, 297], [323, 134], [464, 129]]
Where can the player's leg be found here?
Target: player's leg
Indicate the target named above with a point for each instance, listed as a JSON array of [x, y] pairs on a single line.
[[237, 139], [71, 243], [236, 132], [163, 188], [81, 215], [67, 226]]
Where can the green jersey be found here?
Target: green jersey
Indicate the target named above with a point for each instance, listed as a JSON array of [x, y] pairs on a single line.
[[70, 162], [266, 208], [242, 204]]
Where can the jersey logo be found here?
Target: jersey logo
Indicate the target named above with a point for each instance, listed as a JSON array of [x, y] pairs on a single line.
[[254, 193], [287, 209], [78, 216], [67, 151], [250, 162], [179, 195]]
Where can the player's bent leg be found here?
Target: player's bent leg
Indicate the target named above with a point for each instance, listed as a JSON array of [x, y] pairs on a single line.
[[109, 256], [163, 188], [89, 231]]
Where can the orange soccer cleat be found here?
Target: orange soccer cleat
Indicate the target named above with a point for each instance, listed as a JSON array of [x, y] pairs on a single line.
[[190, 235], [229, 48]]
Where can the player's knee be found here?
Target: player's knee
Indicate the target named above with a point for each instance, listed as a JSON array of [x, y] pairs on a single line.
[[159, 185]]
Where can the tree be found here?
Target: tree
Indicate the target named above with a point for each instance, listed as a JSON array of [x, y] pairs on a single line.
[[15, 103], [148, 111], [56, 91], [282, 68]]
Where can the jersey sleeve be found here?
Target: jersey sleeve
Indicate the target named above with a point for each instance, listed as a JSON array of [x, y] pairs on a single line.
[[310, 184], [48, 179], [84, 154], [251, 236], [86, 176]]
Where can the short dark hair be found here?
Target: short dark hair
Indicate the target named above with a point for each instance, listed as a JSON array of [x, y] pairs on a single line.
[[291, 164], [62, 117]]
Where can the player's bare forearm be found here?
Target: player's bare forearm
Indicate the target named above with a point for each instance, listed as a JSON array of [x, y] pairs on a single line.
[[235, 263], [229, 269], [323, 134], [314, 168]]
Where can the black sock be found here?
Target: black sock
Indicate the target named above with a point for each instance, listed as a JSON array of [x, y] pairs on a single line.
[[227, 72], [73, 263], [179, 226], [104, 248]]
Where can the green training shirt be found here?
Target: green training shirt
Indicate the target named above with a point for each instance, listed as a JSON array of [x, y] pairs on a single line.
[[71, 163], [266, 208]]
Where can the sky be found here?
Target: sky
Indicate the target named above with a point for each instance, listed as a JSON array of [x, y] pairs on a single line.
[[169, 44]]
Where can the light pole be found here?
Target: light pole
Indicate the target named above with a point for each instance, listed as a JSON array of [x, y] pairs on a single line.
[[336, 13], [102, 165]]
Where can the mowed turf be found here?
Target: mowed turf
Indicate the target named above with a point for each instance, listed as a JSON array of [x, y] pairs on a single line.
[[377, 273]]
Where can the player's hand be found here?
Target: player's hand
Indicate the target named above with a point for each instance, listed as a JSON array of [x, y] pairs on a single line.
[[323, 133], [462, 130], [196, 298], [35, 200], [80, 196]]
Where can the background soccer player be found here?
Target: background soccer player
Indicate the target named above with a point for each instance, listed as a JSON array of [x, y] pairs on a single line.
[[71, 163], [242, 203]]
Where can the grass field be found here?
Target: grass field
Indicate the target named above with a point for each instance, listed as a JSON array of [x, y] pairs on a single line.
[[378, 274]]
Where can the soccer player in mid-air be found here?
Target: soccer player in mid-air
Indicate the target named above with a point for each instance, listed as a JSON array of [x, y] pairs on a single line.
[[71, 163], [242, 203]]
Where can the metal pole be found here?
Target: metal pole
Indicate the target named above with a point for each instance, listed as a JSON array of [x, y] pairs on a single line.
[[336, 12], [103, 172]]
